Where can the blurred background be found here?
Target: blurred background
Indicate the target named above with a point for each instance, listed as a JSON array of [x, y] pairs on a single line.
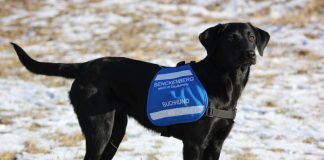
[[280, 114]]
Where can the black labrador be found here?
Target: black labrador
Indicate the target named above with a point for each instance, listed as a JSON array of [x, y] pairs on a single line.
[[107, 90]]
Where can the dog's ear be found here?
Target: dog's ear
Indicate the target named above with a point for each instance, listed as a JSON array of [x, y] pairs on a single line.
[[209, 36], [262, 38]]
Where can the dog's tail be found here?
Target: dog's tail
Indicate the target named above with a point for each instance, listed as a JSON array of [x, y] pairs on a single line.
[[46, 68]]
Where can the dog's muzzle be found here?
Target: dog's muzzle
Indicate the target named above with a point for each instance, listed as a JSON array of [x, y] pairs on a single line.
[[249, 57]]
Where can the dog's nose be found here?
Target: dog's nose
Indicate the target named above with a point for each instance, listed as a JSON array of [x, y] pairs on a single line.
[[250, 54]]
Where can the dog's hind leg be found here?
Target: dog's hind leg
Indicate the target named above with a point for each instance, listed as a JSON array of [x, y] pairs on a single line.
[[97, 133], [117, 136], [96, 115]]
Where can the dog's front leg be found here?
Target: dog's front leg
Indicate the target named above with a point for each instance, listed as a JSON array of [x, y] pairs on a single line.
[[213, 150], [192, 150]]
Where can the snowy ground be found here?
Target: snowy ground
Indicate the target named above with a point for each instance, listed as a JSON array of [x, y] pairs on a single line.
[[280, 115]]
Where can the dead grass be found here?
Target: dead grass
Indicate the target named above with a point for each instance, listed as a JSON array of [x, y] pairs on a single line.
[[308, 54], [8, 65], [122, 149], [209, 19], [12, 34], [280, 137], [16, 28], [303, 70], [9, 155], [298, 117], [79, 157], [66, 140], [32, 148], [246, 155], [8, 7], [312, 36], [35, 126], [261, 13], [6, 121], [300, 17], [267, 79], [94, 1], [270, 104], [70, 140], [29, 5], [176, 21], [310, 140], [175, 1], [38, 113], [277, 150], [153, 156], [176, 12], [216, 5], [282, 110]]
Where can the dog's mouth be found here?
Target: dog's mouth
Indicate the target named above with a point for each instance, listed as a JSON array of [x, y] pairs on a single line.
[[248, 60], [252, 61]]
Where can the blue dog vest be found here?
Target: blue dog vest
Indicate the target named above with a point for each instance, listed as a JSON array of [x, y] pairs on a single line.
[[176, 96]]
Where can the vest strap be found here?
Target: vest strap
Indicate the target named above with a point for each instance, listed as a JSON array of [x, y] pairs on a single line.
[[210, 112], [226, 114]]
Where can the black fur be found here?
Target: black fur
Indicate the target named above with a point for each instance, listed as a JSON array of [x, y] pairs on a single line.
[[108, 89]]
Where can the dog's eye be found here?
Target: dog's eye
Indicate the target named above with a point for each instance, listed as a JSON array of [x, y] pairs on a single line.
[[252, 38]]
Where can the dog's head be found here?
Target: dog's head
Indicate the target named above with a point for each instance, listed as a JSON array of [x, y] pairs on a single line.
[[233, 44]]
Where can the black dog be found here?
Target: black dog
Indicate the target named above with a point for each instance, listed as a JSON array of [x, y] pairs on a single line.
[[108, 89]]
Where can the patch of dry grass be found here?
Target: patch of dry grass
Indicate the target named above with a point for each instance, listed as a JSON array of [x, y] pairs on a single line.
[[122, 149], [270, 104], [216, 5], [267, 79], [15, 30], [71, 140], [8, 7], [312, 36], [6, 121], [152, 156], [298, 117], [9, 66], [246, 155], [9, 155], [11, 34], [282, 111], [209, 19], [310, 140], [66, 140], [308, 54], [277, 150], [175, 1], [261, 13], [35, 126], [32, 148], [174, 20], [303, 70], [35, 113], [53, 81], [300, 17], [176, 12]]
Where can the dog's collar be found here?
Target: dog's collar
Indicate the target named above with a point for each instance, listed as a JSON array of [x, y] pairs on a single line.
[[226, 114]]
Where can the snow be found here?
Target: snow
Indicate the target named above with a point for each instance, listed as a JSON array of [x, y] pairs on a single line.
[[280, 113]]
